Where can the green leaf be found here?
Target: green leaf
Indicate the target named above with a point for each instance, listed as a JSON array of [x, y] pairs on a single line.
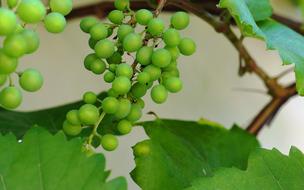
[[180, 151], [260, 9], [267, 169], [44, 161]]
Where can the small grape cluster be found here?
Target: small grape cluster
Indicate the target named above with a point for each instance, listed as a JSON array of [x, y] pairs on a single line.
[[154, 66], [18, 20]]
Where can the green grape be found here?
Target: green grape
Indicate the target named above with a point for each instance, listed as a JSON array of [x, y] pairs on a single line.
[[171, 37], [132, 42], [124, 127], [73, 118], [110, 105], [135, 113], [140, 102], [144, 55], [121, 85], [180, 20], [109, 77], [124, 70], [112, 93], [156, 27], [159, 94], [10, 97], [123, 31], [171, 66], [61, 6], [116, 58], [139, 90], [174, 51], [161, 58], [112, 67], [124, 108], [173, 84], [7, 64], [98, 66], [87, 23], [31, 80], [109, 142], [121, 4], [153, 71], [54, 22], [32, 40], [71, 129], [12, 3], [31, 11], [187, 46], [89, 97], [116, 16], [89, 59], [142, 149], [110, 31], [92, 43], [8, 21], [171, 73], [15, 45], [105, 48], [88, 114], [3, 79], [99, 31], [143, 78], [143, 16]]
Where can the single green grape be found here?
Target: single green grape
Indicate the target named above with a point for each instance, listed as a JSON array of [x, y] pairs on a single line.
[[187, 46], [32, 40], [159, 94], [143, 16], [124, 30], [31, 80], [71, 129], [8, 22], [161, 58], [140, 102], [10, 97], [121, 4], [135, 113], [143, 78], [124, 70], [98, 66], [171, 37], [132, 42], [112, 93], [144, 55], [54, 22], [124, 127], [105, 48], [61, 6], [156, 27], [116, 58], [110, 105], [124, 108], [173, 84], [109, 77], [31, 11], [109, 142], [116, 16], [121, 85], [170, 73], [73, 117], [89, 97], [89, 59], [139, 90], [15, 45], [99, 32], [180, 20], [88, 114], [92, 43], [112, 67], [3, 79], [174, 51], [7, 64], [153, 71], [12, 3], [171, 66], [87, 23], [142, 149]]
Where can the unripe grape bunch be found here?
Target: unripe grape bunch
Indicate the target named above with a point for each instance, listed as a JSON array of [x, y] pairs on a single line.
[[18, 22], [154, 48]]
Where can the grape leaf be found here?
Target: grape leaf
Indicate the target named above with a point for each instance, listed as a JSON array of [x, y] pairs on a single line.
[[44, 161], [181, 151], [260, 9], [267, 169]]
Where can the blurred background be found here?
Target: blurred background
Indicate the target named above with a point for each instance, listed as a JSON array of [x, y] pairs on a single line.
[[211, 85]]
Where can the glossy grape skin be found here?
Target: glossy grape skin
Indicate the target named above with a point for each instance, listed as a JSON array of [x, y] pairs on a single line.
[[112, 67], [89, 97], [61, 6], [109, 142], [110, 105], [73, 117], [143, 16], [99, 32], [143, 78], [140, 102], [174, 51], [187, 46], [121, 85], [31, 11], [109, 77], [180, 20], [12, 3], [71, 129], [124, 108], [173, 84], [87, 23], [112, 93], [98, 66], [153, 71], [135, 113], [92, 43], [104, 48], [31, 80], [116, 16], [132, 42], [124, 70], [7, 64], [32, 40], [3, 79], [124, 127], [55, 22], [88, 60], [10, 97], [15, 45], [142, 149], [139, 90], [159, 94], [171, 37], [123, 31], [88, 114], [116, 58], [156, 27], [144, 55], [121, 4], [161, 58], [8, 22]]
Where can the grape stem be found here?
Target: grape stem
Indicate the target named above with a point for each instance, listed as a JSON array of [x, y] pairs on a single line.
[[94, 132]]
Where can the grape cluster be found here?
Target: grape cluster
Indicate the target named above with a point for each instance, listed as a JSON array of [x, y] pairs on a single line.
[[18, 20], [154, 49]]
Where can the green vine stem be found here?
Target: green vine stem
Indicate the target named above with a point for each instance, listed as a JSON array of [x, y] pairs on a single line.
[[95, 132]]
